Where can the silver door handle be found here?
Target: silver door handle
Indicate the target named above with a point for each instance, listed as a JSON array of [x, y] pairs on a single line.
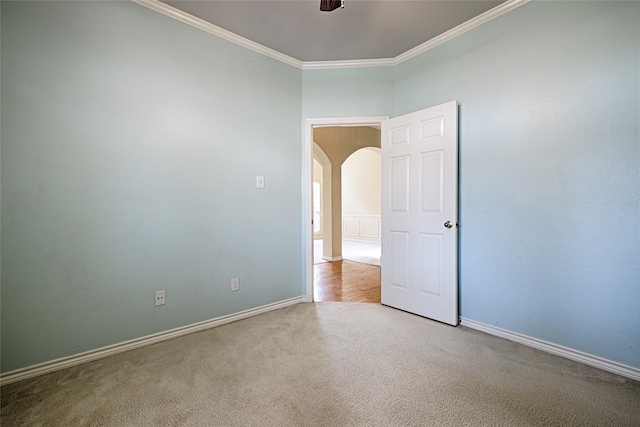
[[448, 224]]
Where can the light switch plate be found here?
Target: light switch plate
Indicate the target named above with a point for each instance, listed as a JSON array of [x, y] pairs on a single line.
[[259, 181]]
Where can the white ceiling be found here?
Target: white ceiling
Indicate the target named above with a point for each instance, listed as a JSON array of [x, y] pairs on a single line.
[[364, 29]]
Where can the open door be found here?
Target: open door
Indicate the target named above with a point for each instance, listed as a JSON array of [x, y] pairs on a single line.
[[420, 211]]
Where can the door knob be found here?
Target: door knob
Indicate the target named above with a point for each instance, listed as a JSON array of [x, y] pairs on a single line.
[[448, 224]]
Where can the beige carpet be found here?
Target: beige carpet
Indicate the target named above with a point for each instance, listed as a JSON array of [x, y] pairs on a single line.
[[327, 364]]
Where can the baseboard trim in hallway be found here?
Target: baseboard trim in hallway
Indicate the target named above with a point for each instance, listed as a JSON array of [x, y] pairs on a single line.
[[100, 353], [568, 353]]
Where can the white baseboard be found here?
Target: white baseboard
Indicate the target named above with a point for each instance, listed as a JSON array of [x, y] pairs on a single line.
[[569, 353], [100, 353], [331, 259]]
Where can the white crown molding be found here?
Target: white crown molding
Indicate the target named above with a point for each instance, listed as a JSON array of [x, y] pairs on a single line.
[[558, 350], [189, 19], [430, 44], [201, 24], [100, 353], [356, 63], [460, 29]]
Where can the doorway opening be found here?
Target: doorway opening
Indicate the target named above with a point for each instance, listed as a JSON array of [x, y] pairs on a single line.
[[327, 224], [361, 203], [355, 278]]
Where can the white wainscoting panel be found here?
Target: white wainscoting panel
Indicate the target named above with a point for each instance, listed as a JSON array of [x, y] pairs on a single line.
[[370, 229], [351, 228], [364, 228]]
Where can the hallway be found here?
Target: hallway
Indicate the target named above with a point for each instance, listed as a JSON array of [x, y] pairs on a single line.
[[364, 252], [346, 281]]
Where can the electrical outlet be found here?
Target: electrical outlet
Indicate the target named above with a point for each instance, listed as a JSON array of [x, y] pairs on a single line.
[[235, 284], [160, 300]]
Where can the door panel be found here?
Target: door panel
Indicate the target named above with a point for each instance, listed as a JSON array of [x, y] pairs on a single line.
[[419, 195], [400, 135], [400, 184], [432, 174], [399, 257], [431, 252], [432, 128]]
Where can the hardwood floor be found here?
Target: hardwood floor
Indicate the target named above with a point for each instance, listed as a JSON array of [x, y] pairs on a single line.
[[346, 281]]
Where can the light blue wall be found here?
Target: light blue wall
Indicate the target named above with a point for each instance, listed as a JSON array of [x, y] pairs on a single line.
[[131, 142], [130, 146], [549, 170], [353, 92]]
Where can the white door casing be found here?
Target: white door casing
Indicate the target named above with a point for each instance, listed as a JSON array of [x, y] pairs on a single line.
[[419, 202]]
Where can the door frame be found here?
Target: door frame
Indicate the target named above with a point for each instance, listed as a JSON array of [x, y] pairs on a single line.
[[307, 183]]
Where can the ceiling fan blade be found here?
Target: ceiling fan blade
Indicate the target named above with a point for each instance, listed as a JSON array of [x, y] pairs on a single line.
[[329, 5]]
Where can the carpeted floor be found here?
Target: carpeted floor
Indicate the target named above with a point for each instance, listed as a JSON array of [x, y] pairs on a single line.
[[327, 364]]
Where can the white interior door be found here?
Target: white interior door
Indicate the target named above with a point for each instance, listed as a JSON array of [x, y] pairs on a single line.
[[420, 211]]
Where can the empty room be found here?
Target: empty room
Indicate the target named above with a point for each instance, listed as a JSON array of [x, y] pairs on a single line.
[[157, 230]]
